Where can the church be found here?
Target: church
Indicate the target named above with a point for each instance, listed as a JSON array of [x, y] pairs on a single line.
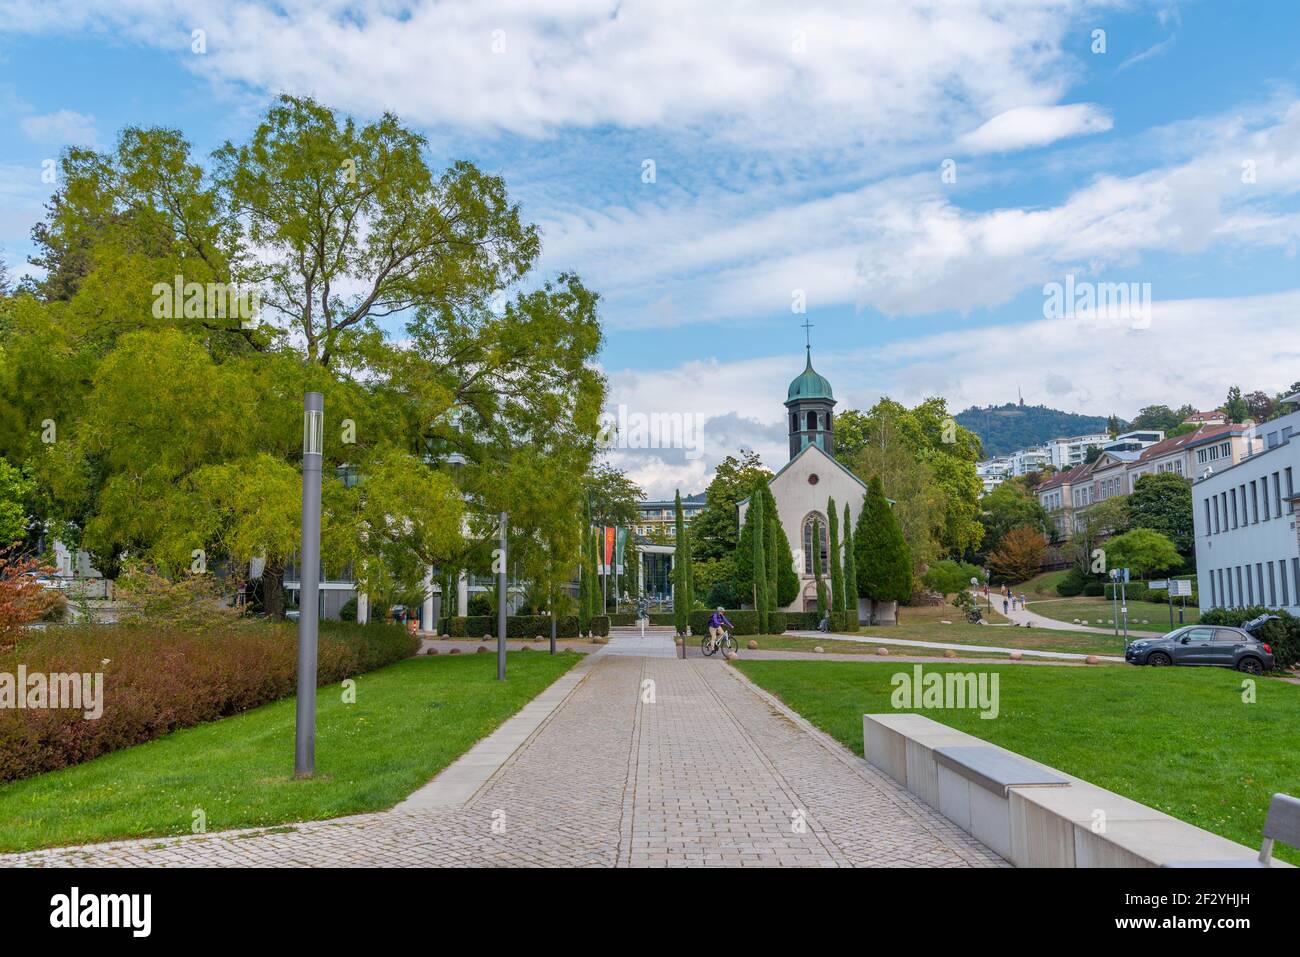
[[808, 480]]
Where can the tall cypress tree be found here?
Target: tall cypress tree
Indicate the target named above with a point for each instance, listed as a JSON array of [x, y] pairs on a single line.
[[771, 538], [761, 599], [584, 576], [594, 604], [785, 581], [883, 558], [817, 571], [837, 569], [850, 572], [681, 561], [688, 566]]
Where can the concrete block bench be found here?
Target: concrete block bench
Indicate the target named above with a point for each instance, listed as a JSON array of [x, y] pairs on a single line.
[[1032, 814]]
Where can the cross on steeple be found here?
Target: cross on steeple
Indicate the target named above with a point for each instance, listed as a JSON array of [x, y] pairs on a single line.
[[807, 335]]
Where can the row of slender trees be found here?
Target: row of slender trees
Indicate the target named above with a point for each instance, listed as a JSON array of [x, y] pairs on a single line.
[[871, 560]]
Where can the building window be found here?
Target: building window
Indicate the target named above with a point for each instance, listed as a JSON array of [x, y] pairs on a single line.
[[1207, 518], [809, 520], [1281, 577], [1277, 493], [812, 421], [1272, 587], [1241, 591], [1214, 601], [1234, 506]]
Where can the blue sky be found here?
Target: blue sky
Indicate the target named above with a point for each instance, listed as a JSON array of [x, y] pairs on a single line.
[[796, 148]]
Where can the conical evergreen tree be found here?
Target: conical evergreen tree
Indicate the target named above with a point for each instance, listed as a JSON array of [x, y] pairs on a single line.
[[594, 601], [850, 572], [837, 569], [584, 576], [742, 579], [883, 558], [761, 600], [817, 571], [771, 535], [786, 584], [681, 562]]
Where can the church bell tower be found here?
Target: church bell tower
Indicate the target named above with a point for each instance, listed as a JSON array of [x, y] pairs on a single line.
[[809, 403]]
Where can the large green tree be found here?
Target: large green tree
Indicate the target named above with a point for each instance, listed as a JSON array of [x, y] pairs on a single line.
[[884, 563], [716, 527], [1163, 502], [1143, 552], [340, 227], [1009, 505]]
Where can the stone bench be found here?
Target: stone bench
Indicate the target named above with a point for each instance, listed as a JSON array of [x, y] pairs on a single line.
[[1032, 814]]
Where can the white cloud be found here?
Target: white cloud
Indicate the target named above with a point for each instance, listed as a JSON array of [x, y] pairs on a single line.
[[64, 127], [1093, 367], [1030, 126], [766, 73]]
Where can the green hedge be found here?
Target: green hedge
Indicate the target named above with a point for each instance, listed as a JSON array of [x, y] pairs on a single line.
[[160, 678], [1139, 591], [1282, 636], [519, 626], [746, 621]]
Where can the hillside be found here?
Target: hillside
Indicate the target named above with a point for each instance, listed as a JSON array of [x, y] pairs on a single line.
[[1005, 428]]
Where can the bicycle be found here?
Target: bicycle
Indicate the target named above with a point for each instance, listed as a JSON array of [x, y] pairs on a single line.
[[709, 645]]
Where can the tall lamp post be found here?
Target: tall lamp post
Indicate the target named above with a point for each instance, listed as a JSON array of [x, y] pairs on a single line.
[[313, 438], [501, 605]]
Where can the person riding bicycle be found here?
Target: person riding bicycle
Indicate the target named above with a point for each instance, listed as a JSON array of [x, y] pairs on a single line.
[[717, 622]]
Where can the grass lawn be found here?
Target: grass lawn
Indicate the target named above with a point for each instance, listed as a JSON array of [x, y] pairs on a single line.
[[1178, 739], [927, 624], [829, 644], [1156, 614], [410, 720]]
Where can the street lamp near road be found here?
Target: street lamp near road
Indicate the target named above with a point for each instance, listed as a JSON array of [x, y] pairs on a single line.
[[313, 441]]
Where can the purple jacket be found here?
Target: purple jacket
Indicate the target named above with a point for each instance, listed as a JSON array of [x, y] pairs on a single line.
[[717, 620]]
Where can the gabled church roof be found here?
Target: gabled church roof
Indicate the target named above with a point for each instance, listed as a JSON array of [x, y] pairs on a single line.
[[804, 451]]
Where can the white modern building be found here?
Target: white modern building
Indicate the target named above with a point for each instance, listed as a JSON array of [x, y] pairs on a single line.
[[993, 472], [1247, 542], [1068, 452]]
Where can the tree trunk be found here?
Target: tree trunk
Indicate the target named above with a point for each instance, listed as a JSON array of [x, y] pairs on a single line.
[[273, 589]]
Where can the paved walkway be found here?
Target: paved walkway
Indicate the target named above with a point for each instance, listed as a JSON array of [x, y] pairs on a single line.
[[990, 649], [1022, 616], [656, 643], [646, 761]]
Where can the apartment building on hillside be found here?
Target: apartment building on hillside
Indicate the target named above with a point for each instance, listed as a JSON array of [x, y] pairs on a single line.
[[1068, 494]]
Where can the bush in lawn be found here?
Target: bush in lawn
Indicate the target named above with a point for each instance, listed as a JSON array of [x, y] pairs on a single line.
[[1094, 589], [479, 606], [349, 610], [159, 678], [949, 577], [1282, 636], [1072, 584]]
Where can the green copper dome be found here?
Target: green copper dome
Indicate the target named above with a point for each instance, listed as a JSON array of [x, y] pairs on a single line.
[[809, 385]]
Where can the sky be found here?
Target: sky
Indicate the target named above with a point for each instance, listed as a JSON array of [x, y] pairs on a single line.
[[913, 179]]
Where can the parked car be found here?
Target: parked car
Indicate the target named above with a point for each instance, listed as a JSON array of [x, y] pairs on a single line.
[[1216, 645]]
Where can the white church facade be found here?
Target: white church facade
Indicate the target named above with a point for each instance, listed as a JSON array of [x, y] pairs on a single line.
[[807, 481]]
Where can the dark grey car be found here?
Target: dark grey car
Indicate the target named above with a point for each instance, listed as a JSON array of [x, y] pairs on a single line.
[[1216, 645]]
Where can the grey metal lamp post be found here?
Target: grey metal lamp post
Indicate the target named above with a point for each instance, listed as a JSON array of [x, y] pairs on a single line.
[[501, 605], [313, 437]]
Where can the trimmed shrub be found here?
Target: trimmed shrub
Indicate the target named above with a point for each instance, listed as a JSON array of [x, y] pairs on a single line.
[[1094, 589], [1282, 636], [520, 626], [745, 621], [1072, 584], [158, 679], [349, 610]]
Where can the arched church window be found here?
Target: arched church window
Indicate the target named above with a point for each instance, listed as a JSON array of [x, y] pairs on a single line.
[[794, 421], [812, 421], [809, 520]]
